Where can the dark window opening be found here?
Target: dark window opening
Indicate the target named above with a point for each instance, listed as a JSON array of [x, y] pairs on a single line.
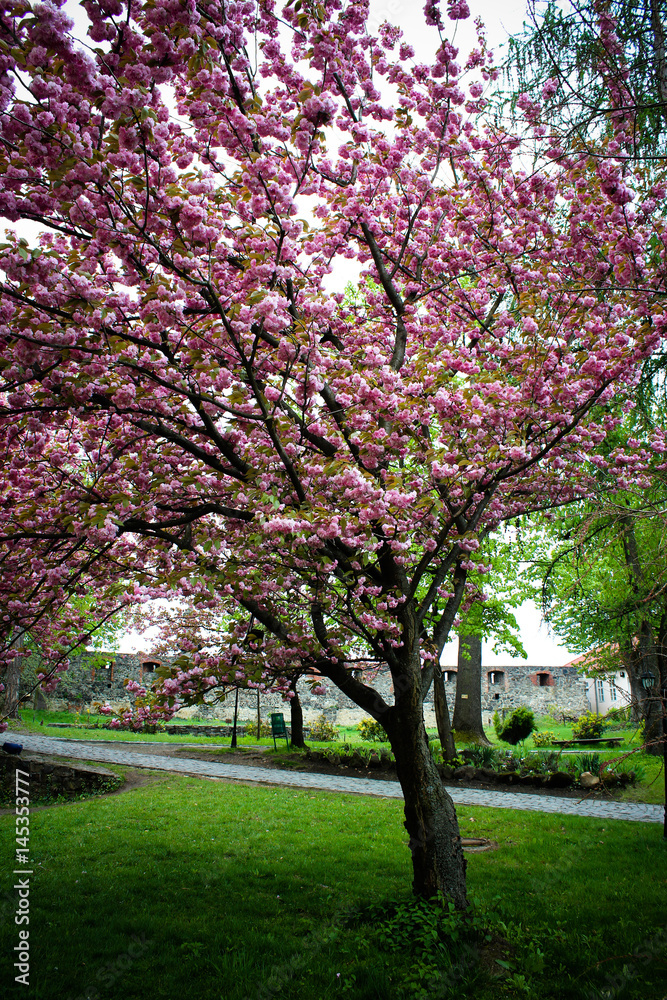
[[150, 665], [449, 676], [496, 677], [107, 667], [497, 696], [543, 680]]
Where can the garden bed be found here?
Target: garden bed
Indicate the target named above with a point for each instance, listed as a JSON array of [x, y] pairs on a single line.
[[314, 762]]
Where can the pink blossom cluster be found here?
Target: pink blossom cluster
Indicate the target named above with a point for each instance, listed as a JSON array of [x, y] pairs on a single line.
[[186, 407]]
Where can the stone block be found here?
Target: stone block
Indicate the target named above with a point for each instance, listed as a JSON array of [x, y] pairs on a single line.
[[559, 779], [465, 773]]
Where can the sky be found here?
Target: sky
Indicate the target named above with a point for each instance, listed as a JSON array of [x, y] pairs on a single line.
[[501, 20]]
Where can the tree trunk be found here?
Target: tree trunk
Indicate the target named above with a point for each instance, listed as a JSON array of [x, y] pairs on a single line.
[[11, 681], [468, 705], [438, 863], [650, 703], [12, 678], [442, 719], [296, 720], [430, 818]]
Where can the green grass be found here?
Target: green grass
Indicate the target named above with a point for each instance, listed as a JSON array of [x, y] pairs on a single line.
[[197, 890]]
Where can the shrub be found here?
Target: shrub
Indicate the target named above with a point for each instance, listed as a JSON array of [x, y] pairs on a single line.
[[588, 727], [323, 730], [518, 725], [544, 739], [588, 762], [630, 766], [371, 731], [620, 717], [481, 756], [250, 728]]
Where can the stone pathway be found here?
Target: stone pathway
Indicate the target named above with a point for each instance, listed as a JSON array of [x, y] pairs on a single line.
[[110, 753]]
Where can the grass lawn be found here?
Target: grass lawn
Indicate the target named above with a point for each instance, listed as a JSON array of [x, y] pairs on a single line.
[[198, 890]]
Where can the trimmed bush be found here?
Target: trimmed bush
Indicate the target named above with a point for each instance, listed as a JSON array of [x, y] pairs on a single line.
[[250, 728], [323, 730], [588, 726], [371, 731], [518, 725], [544, 739]]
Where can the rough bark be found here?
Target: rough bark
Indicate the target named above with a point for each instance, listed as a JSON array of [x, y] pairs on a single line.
[[11, 680], [442, 718], [296, 720], [468, 705], [438, 863], [430, 818], [11, 693]]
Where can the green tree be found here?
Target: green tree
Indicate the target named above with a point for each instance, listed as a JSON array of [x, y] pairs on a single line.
[[605, 589], [488, 616], [563, 53]]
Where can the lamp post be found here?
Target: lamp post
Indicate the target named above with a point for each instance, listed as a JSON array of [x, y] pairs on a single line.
[[236, 715], [252, 635], [648, 679]]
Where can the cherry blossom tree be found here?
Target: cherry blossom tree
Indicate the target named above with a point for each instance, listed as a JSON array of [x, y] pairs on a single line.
[[189, 405]]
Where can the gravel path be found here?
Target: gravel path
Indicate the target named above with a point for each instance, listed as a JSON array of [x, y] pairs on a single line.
[[111, 753]]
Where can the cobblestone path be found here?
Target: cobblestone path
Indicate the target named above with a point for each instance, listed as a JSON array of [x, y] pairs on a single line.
[[111, 753]]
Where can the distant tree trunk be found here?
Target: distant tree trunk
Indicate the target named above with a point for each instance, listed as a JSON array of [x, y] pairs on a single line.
[[12, 680], [645, 656], [296, 719], [468, 705], [259, 718], [442, 719], [648, 662]]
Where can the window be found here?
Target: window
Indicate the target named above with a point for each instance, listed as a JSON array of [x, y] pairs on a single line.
[[107, 670], [496, 676], [149, 666], [449, 676], [622, 673], [496, 696], [543, 680], [613, 691], [599, 689]]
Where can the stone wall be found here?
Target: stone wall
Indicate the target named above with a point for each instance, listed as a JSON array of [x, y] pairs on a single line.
[[49, 780], [99, 678]]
